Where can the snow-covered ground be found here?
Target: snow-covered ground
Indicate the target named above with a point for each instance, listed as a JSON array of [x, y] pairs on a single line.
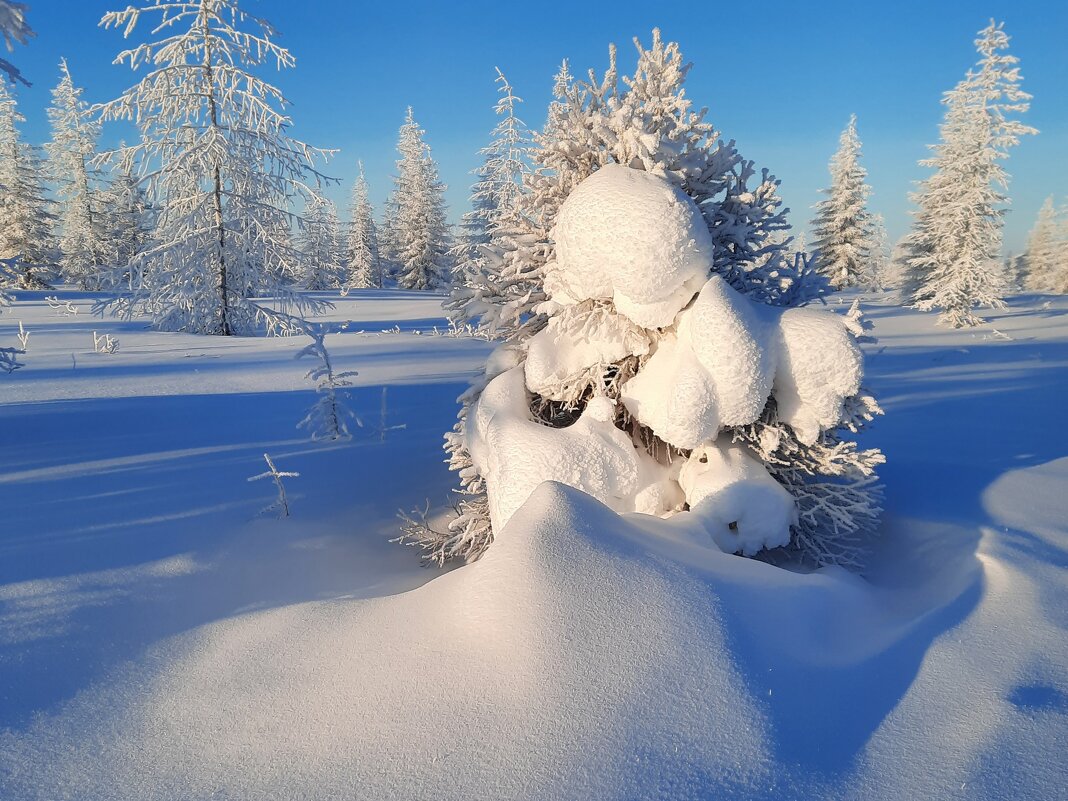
[[159, 640]]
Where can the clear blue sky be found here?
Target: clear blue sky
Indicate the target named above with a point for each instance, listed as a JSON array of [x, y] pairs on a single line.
[[779, 77]]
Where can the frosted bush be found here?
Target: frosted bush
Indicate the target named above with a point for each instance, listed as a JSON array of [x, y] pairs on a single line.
[[655, 354]]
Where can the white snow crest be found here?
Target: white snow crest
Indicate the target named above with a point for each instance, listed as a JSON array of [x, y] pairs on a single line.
[[630, 237]]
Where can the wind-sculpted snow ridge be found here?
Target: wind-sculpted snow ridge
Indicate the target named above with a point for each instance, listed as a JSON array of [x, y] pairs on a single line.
[[633, 295]]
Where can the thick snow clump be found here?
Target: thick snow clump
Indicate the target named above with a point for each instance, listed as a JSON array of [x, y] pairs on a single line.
[[630, 237], [633, 280], [515, 454]]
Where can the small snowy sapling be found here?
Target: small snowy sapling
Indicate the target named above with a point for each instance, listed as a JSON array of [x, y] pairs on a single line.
[[281, 503], [328, 418]]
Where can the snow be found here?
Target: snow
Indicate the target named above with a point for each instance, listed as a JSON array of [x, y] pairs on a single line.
[[157, 641], [564, 351], [631, 237], [515, 454], [819, 367], [741, 506], [730, 355]]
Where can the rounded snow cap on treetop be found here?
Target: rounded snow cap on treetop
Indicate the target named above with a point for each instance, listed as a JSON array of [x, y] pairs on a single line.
[[631, 237]]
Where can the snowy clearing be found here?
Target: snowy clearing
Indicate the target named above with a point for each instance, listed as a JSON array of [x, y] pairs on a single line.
[[160, 640]]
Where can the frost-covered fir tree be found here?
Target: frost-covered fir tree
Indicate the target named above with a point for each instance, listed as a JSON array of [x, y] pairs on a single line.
[[842, 227], [954, 247], [128, 223], [418, 239], [82, 238], [495, 209], [321, 246], [878, 272], [25, 214], [364, 263], [217, 161], [570, 360], [1044, 262]]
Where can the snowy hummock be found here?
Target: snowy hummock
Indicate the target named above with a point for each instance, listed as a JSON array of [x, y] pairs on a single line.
[[631, 237]]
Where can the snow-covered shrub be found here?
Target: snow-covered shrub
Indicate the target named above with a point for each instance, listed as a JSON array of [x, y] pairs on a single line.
[[105, 343], [654, 357]]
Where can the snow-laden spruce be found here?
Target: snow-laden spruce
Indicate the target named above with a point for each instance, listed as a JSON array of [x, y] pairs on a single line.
[[217, 162], [650, 325], [364, 263], [843, 227], [953, 251], [321, 246], [495, 208], [82, 240], [716, 360], [417, 235], [1045, 264], [26, 217]]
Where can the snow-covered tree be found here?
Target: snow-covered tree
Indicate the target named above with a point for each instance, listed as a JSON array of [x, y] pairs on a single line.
[[218, 163], [419, 240], [364, 263], [330, 416], [82, 238], [878, 272], [1044, 263], [321, 246], [842, 227], [495, 208], [954, 247], [25, 215], [14, 29], [128, 223], [572, 346]]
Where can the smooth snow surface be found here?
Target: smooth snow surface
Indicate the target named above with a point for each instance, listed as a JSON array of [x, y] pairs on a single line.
[[631, 237], [157, 641]]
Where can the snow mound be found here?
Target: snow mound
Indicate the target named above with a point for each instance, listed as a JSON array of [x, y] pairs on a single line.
[[514, 454], [821, 366], [739, 504], [631, 237]]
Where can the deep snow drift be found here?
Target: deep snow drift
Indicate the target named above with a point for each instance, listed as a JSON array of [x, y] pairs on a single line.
[[157, 642]]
